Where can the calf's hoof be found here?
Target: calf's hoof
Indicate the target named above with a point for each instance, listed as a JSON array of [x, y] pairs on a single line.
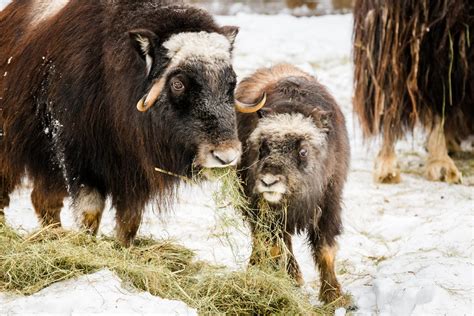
[[443, 169], [329, 294]]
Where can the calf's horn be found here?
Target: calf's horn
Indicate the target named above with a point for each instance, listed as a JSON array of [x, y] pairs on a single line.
[[252, 107], [150, 98]]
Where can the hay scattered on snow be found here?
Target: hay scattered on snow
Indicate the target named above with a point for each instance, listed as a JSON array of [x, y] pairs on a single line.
[[163, 268]]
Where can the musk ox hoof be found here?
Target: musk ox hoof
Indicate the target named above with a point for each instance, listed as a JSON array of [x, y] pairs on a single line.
[[297, 276], [387, 170], [338, 299], [298, 280], [329, 294], [443, 169]]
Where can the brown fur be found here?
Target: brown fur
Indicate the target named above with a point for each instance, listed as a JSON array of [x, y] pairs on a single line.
[[314, 186], [68, 106], [414, 64]]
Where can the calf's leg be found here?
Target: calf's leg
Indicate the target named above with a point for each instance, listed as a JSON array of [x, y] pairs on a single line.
[[324, 257], [292, 267]]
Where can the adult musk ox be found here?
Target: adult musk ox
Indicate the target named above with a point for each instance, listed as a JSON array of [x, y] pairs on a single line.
[[296, 157], [96, 94], [414, 63]]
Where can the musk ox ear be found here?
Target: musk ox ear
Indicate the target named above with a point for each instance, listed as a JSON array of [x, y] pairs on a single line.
[[230, 32], [322, 118], [142, 41]]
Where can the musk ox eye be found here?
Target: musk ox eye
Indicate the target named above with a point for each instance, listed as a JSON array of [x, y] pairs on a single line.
[[303, 153], [177, 85]]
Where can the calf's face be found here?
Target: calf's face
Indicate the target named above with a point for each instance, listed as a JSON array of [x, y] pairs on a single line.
[[289, 153], [194, 92]]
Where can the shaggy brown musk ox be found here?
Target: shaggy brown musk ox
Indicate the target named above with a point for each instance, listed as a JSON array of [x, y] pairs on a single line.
[[296, 157], [414, 64], [96, 94]]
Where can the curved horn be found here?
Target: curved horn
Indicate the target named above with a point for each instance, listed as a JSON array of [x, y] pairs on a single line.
[[150, 98], [252, 107]]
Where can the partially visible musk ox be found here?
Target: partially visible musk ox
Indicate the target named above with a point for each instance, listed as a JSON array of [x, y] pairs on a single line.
[[296, 157], [73, 75]]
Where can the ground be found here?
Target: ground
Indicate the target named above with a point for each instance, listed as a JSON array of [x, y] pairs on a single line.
[[406, 248]]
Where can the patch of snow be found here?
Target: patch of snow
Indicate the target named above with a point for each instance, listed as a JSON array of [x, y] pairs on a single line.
[[101, 292], [3, 4]]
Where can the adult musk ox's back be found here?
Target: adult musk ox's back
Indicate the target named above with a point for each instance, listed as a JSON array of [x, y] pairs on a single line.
[[96, 94], [414, 63]]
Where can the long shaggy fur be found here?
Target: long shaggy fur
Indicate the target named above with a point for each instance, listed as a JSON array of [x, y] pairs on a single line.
[[414, 61], [68, 95]]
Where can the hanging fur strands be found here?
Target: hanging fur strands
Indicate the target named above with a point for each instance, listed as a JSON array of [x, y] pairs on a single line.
[[414, 64]]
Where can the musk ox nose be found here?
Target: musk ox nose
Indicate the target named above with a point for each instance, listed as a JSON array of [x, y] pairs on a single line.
[[219, 156], [226, 157], [269, 180]]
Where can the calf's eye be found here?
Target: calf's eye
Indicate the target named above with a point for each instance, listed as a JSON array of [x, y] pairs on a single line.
[[303, 153]]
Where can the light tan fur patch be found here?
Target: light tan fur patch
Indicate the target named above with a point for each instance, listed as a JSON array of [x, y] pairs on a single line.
[[440, 167], [88, 208], [278, 126]]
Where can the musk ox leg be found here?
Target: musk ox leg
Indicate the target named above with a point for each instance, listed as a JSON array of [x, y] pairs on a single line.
[[128, 221], [439, 166], [453, 144], [268, 249], [7, 185], [293, 267], [47, 199], [330, 289], [88, 207], [324, 257], [387, 169]]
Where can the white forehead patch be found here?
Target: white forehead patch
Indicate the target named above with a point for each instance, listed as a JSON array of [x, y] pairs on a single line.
[[205, 46], [277, 127], [44, 9]]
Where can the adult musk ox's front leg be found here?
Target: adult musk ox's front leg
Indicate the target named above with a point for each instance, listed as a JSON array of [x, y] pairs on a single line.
[[7, 184], [128, 220], [88, 206], [47, 198]]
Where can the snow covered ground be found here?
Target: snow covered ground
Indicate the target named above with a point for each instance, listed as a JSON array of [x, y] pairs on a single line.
[[406, 249]]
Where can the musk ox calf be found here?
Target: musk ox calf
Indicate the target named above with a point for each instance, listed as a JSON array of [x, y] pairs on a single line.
[[95, 94], [295, 158]]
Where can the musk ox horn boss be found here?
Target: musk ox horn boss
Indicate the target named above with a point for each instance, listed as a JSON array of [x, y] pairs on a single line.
[[75, 74], [296, 158]]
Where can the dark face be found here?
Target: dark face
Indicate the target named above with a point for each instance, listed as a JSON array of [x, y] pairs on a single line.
[[191, 93], [290, 152], [201, 99]]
